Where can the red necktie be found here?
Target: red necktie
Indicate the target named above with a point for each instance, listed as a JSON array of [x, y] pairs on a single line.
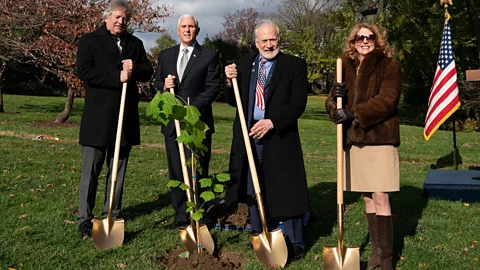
[[261, 81]]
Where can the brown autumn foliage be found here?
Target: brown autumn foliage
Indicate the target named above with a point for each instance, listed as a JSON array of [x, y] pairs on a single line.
[[45, 33]]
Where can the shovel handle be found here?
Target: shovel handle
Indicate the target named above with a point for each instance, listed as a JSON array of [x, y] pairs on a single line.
[[181, 150], [339, 141], [339, 165], [116, 154], [251, 161]]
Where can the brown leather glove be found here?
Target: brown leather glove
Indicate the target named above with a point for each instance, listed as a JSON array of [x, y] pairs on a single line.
[[339, 90], [343, 116]]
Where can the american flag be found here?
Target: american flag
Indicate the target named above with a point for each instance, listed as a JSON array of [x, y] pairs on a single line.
[[444, 97]]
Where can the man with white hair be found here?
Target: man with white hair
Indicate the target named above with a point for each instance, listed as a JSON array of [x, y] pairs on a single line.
[[195, 76], [273, 89], [106, 58]]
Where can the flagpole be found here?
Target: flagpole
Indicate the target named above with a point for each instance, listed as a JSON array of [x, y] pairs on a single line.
[[455, 165]]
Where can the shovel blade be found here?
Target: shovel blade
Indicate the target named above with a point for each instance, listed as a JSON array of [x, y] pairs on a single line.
[[107, 233], [189, 239], [334, 259], [270, 248]]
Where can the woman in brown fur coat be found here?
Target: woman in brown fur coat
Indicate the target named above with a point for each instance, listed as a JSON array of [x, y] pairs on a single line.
[[371, 131]]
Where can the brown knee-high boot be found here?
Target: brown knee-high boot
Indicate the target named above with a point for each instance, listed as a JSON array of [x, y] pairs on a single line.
[[385, 241], [374, 258]]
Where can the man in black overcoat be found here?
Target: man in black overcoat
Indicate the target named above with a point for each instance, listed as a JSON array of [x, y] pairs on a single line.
[[107, 58], [195, 77], [272, 118]]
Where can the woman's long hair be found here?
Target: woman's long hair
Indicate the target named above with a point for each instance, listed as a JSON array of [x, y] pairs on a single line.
[[381, 42]]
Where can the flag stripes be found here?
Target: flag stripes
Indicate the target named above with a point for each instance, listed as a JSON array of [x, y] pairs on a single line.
[[444, 97]]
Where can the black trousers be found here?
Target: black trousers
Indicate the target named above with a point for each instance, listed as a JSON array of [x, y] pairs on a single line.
[[93, 159], [292, 226], [178, 196]]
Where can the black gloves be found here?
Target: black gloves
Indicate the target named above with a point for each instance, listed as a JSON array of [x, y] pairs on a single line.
[[343, 116], [339, 90]]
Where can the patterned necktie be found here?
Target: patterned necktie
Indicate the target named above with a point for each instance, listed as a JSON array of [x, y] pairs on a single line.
[[261, 81], [183, 63], [117, 41]]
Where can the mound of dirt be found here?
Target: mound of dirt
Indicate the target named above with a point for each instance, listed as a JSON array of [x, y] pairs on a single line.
[[224, 261]]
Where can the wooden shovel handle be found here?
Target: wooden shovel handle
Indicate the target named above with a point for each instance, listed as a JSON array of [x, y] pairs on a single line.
[[181, 150], [339, 141], [116, 154], [251, 161]]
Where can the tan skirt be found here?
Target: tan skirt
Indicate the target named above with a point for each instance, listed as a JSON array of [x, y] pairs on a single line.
[[371, 168]]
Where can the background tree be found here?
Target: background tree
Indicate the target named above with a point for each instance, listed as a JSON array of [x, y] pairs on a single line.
[[45, 33], [240, 28], [415, 31], [312, 30], [163, 42]]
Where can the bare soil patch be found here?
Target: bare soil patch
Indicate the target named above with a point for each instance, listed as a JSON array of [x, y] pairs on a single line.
[[238, 219], [224, 261]]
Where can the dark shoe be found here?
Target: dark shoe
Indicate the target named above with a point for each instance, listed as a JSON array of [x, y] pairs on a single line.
[[85, 228], [177, 224], [298, 253], [374, 258]]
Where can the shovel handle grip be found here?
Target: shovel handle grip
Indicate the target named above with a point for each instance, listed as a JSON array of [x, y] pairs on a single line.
[[181, 150]]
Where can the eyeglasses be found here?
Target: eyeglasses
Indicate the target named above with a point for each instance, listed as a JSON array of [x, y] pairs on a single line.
[[361, 38]]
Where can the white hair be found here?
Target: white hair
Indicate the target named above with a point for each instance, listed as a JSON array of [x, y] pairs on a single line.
[[188, 16], [267, 22]]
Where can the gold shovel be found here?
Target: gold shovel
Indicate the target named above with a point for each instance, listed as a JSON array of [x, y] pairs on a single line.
[[108, 233], [270, 247], [340, 257], [188, 235]]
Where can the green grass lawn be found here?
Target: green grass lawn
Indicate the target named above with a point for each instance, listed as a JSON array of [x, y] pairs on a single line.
[[39, 182]]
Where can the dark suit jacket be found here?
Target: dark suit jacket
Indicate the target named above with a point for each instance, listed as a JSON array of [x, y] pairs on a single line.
[[99, 63], [285, 185], [200, 83]]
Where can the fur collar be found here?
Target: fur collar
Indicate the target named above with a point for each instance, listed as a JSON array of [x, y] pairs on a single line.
[[361, 79]]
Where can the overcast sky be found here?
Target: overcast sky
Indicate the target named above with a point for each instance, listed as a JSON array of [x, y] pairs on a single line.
[[209, 13]]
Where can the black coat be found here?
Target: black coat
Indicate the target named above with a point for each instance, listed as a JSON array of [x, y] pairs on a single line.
[[285, 189], [200, 83], [99, 63]]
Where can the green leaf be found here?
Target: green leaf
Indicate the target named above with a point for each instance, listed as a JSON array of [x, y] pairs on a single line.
[[193, 115], [199, 167], [190, 204], [205, 182], [197, 216], [186, 139], [178, 112], [173, 183], [184, 187], [189, 209], [223, 177], [200, 130], [218, 188], [184, 255], [207, 195]]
